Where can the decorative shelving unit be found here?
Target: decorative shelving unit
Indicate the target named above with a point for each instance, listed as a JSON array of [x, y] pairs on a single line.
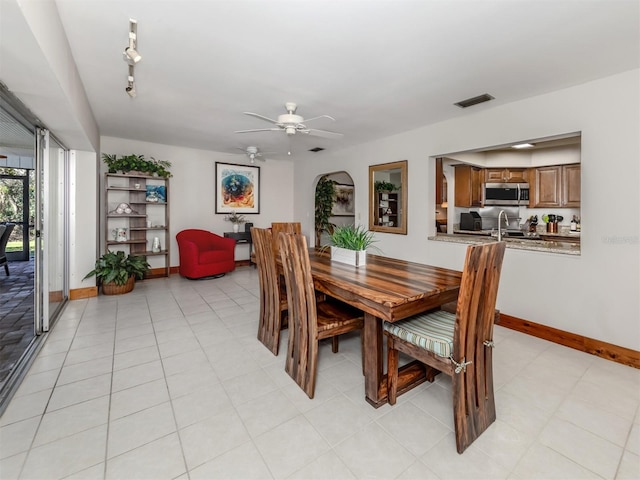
[[148, 218], [388, 208]]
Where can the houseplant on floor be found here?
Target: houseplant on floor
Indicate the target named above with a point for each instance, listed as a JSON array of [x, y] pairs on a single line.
[[350, 243], [117, 272]]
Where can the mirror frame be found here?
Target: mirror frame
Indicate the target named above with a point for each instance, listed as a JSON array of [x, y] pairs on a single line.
[[401, 228]]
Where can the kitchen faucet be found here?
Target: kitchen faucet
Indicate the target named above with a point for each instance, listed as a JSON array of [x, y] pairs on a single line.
[[506, 222]]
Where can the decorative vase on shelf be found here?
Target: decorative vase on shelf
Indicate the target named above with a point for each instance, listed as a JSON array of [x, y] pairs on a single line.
[[236, 227]]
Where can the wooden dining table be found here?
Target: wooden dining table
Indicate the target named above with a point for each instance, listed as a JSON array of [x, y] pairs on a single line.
[[386, 289]]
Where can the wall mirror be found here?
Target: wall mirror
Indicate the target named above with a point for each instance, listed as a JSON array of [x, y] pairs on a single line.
[[388, 197]]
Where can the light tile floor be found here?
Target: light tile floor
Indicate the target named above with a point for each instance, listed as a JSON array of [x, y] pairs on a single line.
[[169, 382]]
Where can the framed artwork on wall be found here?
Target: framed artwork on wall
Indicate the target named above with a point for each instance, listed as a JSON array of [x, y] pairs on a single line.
[[343, 204], [237, 188]]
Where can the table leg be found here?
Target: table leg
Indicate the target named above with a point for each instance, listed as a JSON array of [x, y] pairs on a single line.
[[373, 359], [375, 381]]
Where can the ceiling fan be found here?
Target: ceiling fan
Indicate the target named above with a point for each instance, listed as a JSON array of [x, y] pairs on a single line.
[[291, 123], [253, 153]]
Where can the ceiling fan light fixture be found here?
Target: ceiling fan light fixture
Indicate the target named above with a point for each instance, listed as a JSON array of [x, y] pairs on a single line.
[[290, 129]]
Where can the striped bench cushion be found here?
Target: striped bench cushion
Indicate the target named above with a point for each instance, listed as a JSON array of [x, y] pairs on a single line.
[[432, 331]]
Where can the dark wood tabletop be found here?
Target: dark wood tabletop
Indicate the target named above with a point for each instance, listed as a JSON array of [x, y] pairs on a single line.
[[385, 289]]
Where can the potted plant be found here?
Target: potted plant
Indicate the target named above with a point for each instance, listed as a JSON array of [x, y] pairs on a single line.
[[350, 243], [137, 163], [325, 197], [382, 186], [117, 272], [235, 219]]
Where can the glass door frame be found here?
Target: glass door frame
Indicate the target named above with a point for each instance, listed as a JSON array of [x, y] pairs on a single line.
[[44, 223]]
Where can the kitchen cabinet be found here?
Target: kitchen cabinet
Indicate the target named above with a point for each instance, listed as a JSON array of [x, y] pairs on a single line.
[[556, 186], [571, 185], [386, 214], [137, 213], [468, 186], [441, 184], [506, 175]]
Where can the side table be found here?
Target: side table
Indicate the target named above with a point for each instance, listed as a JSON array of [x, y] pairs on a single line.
[[242, 237]]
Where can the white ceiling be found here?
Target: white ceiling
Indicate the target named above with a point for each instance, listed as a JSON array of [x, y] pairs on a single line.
[[378, 67]]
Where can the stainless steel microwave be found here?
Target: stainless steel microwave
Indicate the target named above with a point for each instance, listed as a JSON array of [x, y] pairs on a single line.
[[505, 194]]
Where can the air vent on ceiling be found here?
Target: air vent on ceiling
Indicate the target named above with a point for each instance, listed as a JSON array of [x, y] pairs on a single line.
[[485, 97], [316, 150]]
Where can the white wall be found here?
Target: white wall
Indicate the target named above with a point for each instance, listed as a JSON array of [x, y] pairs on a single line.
[[192, 195], [83, 218], [38, 67], [594, 294]]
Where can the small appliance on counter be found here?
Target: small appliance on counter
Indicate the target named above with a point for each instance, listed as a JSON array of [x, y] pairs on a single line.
[[470, 221]]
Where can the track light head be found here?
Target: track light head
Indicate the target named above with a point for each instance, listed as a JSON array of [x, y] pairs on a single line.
[[131, 87], [131, 55]]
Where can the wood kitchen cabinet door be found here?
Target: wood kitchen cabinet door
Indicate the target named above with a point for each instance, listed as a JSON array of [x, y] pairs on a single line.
[[441, 184], [505, 175], [571, 185], [548, 187], [468, 186]]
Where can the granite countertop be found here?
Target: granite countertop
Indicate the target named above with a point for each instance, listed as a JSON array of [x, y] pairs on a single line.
[[539, 232], [566, 248]]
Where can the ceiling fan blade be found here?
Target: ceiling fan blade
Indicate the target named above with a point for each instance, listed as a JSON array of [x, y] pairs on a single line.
[[259, 130], [262, 117], [320, 116], [323, 133]]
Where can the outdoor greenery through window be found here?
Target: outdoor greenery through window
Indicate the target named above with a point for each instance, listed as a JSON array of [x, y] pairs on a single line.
[[12, 208]]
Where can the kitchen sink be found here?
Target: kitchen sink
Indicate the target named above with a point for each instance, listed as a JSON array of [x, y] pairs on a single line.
[[520, 235]]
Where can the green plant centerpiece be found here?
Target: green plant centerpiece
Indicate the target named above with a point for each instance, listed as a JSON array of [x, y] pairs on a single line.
[[350, 243], [325, 198], [117, 272], [137, 163]]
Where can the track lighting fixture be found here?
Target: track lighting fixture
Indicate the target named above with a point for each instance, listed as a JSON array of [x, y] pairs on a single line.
[[131, 55], [131, 83]]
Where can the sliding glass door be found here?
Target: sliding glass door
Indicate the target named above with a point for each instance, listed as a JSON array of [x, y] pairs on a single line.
[[34, 193], [51, 226]]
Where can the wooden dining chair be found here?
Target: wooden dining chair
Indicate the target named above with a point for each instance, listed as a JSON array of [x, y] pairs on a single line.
[[286, 227], [273, 295], [459, 344], [309, 321]]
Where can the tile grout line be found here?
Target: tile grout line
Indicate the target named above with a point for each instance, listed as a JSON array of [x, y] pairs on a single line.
[[35, 434]]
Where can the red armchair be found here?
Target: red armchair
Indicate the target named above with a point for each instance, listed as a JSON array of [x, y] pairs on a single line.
[[205, 254]]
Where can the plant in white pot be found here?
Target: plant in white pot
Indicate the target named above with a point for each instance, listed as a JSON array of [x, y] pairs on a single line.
[[350, 243], [236, 220]]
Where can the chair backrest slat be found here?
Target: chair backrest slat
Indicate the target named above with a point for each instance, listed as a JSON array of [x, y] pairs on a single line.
[[302, 354], [477, 298], [283, 227], [269, 279]]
